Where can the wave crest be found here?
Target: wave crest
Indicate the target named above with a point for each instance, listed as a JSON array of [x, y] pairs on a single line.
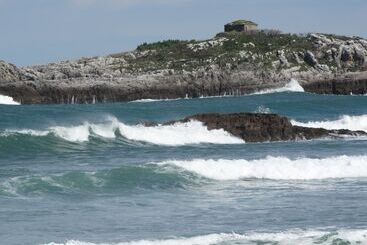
[[344, 122], [192, 132], [303, 237], [277, 168]]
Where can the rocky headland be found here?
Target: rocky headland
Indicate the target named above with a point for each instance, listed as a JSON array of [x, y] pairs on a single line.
[[230, 63], [256, 127]]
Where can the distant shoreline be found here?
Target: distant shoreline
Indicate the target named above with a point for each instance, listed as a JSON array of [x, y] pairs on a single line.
[[231, 63]]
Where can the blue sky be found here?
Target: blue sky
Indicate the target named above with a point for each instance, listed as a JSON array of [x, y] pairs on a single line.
[[41, 31]]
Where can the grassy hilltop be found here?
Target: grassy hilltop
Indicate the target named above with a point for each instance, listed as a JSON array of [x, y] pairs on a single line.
[[266, 50]]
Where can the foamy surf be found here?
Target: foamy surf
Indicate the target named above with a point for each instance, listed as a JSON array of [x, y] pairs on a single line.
[[177, 134], [292, 86], [344, 122], [7, 100], [192, 132], [277, 168], [299, 237], [152, 100]]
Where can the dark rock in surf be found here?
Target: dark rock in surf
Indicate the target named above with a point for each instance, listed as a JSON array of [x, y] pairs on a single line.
[[256, 127]]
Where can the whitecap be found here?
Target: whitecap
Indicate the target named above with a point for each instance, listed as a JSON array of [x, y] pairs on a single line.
[[7, 100], [277, 168], [178, 134], [344, 122], [192, 132], [299, 237], [292, 86]]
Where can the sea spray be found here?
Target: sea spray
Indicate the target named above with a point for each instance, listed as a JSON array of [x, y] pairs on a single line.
[[7, 100], [292, 86]]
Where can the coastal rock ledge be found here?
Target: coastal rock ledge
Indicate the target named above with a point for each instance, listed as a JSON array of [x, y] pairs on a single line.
[[227, 64], [256, 127]]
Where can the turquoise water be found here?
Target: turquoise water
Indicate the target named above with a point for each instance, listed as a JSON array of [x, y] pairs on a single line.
[[72, 174]]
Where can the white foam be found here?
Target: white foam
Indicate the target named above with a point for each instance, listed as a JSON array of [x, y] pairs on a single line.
[[292, 86], [80, 133], [152, 100], [278, 168], [299, 237], [76, 134], [192, 132], [262, 109], [7, 100], [31, 132], [344, 122]]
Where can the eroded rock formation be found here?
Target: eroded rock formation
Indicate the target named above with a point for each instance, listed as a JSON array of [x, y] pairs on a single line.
[[227, 64], [256, 127]]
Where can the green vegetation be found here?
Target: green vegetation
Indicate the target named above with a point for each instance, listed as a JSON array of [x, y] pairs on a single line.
[[243, 22], [160, 45], [226, 49]]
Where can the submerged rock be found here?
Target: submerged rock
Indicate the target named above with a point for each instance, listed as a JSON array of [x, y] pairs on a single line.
[[257, 127]]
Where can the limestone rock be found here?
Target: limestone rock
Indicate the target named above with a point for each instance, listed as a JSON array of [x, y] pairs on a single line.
[[310, 59]]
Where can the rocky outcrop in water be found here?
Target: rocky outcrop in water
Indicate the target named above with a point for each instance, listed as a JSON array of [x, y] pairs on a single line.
[[256, 127], [230, 63]]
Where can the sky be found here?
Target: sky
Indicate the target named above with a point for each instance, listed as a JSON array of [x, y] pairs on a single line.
[[42, 31]]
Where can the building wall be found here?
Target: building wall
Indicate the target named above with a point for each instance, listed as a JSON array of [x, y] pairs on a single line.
[[240, 28], [250, 28]]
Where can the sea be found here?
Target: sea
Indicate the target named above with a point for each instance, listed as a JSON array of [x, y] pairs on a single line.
[[93, 174]]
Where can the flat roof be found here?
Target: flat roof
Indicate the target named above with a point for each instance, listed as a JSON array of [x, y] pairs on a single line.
[[243, 22]]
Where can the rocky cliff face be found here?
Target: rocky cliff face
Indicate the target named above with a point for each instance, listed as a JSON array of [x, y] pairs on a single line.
[[9, 72], [230, 63], [255, 127]]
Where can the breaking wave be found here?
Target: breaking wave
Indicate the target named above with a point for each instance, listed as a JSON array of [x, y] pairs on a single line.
[[7, 100], [292, 86], [344, 122], [300, 237], [152, 100], [177, 134], [277, 168]]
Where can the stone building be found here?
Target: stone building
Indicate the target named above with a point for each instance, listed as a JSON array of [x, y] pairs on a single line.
[[241, 26]]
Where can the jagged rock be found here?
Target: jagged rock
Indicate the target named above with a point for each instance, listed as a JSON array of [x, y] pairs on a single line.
[[360, 55], [192, 68], [310, 59], [321, 39], [344, 86], [346, 54], [9, 72], [283, 60], [323, 67], [257, 127]]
